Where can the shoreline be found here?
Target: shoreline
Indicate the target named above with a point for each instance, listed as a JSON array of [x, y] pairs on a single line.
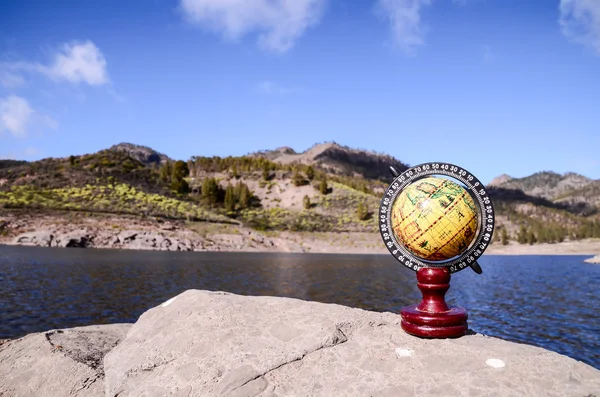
[[588, 249], [340, 251], [135, 233]]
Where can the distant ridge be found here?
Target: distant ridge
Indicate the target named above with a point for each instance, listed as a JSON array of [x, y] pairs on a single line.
[[335, 158], [571, 189], [11, 163]]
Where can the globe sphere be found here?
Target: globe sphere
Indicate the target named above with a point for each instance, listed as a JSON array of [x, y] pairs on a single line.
[[434, 218]]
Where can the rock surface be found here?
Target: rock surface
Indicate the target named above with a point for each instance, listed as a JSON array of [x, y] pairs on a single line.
[[159, 237], [595, 259], [42, 238], [218, 344], [59, 362], [202, 343]]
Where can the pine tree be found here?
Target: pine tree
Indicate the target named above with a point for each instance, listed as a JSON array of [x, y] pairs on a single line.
[[210, 191], [323, 188], [180, 186], [298, 179], [522, 235], [242, 195], [310, 173], [504, 236], [229, 202], [531, 239], [362, 212], [180, 171], [560, 235], [165, 172], [306, 202], [542, 235]]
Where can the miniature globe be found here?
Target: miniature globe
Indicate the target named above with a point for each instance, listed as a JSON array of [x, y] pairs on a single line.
[[434, 218]]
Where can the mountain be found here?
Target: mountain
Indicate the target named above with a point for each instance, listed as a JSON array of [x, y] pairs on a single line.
[[549, 185], [328, 187], [143, 154], [499, 180], [571, 190], [337, 159]]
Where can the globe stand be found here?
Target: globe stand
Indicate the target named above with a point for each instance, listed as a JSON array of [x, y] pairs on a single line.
[[432, 318]]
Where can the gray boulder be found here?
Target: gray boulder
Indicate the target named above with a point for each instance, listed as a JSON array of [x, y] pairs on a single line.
[[78, 238], [42, 238], [127, 235], [142, 242], [59, 362], [168, 226], [218, 344]]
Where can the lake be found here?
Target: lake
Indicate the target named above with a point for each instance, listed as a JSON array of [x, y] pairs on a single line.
[[547, 301]]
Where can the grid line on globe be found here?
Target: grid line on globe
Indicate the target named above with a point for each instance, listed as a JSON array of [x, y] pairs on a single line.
[[435, 218]]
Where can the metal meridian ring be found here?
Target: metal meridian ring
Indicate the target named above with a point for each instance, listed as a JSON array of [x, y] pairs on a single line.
[[486, 218]]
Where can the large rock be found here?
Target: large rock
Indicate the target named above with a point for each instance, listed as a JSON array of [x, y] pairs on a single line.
[[59, 362], [41, 238], [218, 344], [77, 238], [127, 235]]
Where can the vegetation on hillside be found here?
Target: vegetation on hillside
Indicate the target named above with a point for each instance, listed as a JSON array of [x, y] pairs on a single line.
[[137, 180], [11, 163], [117, 198]]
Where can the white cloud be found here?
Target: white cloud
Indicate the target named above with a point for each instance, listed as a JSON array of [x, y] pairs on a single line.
[[80, 63], [10, 80], [405, 19], [76, 62], [271, 88], [18, 117], [580, 21], [279, 23], [15, 115]]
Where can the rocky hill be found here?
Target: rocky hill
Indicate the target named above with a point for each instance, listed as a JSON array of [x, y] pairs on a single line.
[[549, 185], [327, 188], [143, 154], [337, 159], [569, 190]]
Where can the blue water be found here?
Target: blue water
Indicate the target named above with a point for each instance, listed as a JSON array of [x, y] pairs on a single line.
[[548, 301]]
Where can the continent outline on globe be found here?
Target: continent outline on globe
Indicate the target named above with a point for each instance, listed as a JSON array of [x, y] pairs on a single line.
[[485, 211], [435, 218]]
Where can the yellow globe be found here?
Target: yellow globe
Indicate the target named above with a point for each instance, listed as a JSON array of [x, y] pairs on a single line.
[[434, 218]]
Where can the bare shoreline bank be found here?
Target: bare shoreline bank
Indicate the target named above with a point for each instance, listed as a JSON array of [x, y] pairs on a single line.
[[126, 232]]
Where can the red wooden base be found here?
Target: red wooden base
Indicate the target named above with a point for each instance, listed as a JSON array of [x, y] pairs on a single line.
[[432, 318]]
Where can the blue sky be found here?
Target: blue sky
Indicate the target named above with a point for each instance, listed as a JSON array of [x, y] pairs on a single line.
[[496, 86]]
